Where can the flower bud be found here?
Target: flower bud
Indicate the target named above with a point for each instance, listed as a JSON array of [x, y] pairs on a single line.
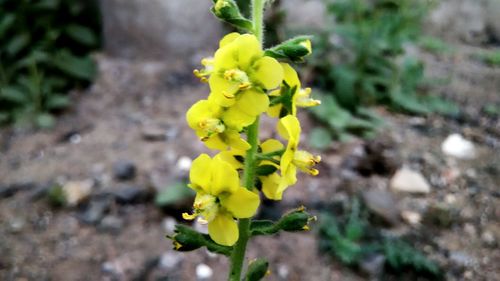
[[296, 220], [186, 239], [294, 49], [257, 269], [228, 11]]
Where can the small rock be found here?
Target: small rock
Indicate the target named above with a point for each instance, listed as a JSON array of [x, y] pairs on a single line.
[[130, 195], [457, 146], [411, 217], [406, 180], [16, 225], [111, 224], [203, 272], [373, 265], [470, 230], [170, 260], [76, 192], [154, 133], [283, 271], [124, 170], [383, 204], [461, 259], [95, 211], [488, 238], [184, 163]]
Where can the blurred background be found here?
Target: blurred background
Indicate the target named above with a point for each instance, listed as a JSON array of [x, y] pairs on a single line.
[[95, 152]]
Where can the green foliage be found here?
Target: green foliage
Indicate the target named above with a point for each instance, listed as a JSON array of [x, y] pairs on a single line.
[[173, 194], [360, 59], [56, 196], [435, 45], [342, 124], [44, 53], [491, 58], [350, 239]]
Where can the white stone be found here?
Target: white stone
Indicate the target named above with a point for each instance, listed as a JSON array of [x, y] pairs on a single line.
[[411, 217], [203, 271], [407, 180], [457, 146], [184, 163], [77, 191]]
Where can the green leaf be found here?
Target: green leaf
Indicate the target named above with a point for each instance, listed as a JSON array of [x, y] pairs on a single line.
[[17, 44], [81, 34], [78, 67], [13, 94], [45, 120], [173, 194], [57, 101], [320, 138], [6, 22]]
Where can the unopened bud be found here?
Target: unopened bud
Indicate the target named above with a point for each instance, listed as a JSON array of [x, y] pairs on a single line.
[[294, 49], [257, 269], [297, 220]]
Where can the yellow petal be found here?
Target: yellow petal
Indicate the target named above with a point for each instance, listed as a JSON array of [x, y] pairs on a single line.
[[235, 141], [223, 92], [289, 128], [290, 75], [249, 49], [201, 110], [230, 157], [216, 142], [268, 72], [271, 145], [242, 203], [270, 185], [224, 177], [201, 172], [236, 119], [225, 57], [223, 229], [252, 102], [228, 39], [274, 111]]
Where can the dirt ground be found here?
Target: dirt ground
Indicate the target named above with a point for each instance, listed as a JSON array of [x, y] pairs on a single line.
[[113, 121]]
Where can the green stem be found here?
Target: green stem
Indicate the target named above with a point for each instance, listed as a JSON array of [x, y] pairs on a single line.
[[258, 19], [238, 255]]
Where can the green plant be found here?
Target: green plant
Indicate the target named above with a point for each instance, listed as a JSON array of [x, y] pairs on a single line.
[[360, 58], [246, 80], [435, 45], [491, 58], [350, 239], [44, 53]]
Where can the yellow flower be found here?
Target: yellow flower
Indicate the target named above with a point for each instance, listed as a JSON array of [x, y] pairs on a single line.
[[292, 158], [239, 65], [291, 89], [220, 198], [206, 119]]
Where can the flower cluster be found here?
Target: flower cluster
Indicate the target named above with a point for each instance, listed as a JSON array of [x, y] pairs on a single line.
[[245, 81]]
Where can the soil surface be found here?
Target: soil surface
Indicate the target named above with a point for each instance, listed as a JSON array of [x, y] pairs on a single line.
[[134, 115]]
